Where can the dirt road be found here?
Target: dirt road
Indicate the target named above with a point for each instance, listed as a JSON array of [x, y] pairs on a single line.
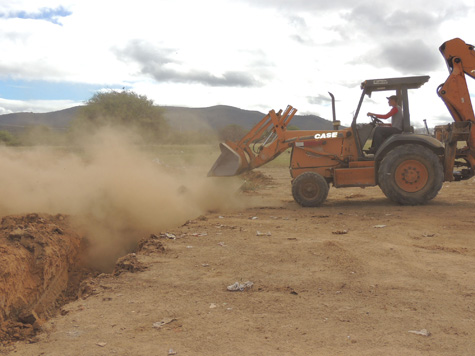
[[357, 276]]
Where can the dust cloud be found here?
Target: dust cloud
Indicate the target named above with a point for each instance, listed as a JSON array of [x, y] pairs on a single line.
[[116, 193]]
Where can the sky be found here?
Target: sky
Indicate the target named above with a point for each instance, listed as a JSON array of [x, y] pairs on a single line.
[[251, 54]]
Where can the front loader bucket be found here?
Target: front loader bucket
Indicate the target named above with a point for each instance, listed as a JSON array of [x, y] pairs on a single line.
[[267, 140], [228, 163]]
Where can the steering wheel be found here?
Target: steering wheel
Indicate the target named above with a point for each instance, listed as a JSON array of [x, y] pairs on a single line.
[[375, 120]]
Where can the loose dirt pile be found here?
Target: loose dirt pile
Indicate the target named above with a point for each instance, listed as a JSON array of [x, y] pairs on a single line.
[[254, 179], [41, 265]]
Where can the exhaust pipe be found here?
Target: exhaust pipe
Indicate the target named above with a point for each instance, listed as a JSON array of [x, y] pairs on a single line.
[[336, 123]]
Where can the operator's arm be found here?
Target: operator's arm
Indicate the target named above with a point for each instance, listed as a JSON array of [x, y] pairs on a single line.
[[392, 112]]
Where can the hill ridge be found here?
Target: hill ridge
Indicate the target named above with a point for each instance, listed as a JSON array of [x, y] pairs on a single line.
[[180, 118]]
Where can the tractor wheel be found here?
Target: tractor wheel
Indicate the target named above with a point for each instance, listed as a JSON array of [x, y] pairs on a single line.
[[310, 189], [410, 175]]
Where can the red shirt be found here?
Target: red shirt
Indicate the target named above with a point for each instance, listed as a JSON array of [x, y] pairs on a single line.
[[392, 112]]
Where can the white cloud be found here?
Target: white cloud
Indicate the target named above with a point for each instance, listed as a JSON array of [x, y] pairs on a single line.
[[36, 106], [258, 54]]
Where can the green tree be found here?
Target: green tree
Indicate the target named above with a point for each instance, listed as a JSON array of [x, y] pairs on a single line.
[[292, 128], [6, 138], [124, 109]]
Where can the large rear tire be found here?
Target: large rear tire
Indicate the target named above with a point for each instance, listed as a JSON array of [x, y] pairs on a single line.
[[310, 189], [410, 175]]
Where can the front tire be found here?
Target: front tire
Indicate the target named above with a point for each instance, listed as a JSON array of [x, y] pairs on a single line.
[[310, 189], [410, 175]]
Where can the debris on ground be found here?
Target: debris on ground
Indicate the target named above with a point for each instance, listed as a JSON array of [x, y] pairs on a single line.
[[167, 235], [352, 196], [259, 233], [423, 332], [253, 180], [128, 263], [87, 288], [340, 232], [240, 286], [199, 234], [151, 244], [163, 322]]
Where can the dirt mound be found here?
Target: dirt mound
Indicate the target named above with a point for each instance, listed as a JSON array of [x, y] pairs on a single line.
[[43, 267], [255, 179], [153, 244], [40, 268], [128, 263]]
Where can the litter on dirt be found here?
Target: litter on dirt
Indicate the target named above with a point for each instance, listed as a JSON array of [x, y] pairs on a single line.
[[423, 332], [167, 235], [340, 232], [240, 286], [163, 322], [199, 234], [263, 233]]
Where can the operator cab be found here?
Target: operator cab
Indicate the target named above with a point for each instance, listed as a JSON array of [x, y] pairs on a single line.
[[363, 131]]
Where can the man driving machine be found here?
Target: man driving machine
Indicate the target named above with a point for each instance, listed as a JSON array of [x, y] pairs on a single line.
[[381, 133]]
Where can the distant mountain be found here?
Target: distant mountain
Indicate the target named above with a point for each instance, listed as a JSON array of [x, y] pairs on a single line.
[[180, 118], [58, 120], [219, 116]]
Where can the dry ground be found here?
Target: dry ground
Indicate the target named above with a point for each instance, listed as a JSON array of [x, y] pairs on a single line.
[[357, 276]]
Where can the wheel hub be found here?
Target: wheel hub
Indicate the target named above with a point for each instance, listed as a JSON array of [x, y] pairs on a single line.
[[411, 175], [309, 190]]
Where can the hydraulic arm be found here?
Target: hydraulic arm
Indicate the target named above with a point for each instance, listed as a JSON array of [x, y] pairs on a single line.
[[268, 139], [460, 59], [259, 146]]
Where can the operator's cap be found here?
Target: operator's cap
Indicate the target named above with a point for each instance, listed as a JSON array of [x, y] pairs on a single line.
[[392, 97]]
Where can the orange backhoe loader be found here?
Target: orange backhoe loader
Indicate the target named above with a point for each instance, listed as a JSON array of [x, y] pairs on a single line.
[[408, 167]]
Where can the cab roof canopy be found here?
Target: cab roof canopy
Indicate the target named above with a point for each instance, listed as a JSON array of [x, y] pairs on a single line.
[[404, 83]]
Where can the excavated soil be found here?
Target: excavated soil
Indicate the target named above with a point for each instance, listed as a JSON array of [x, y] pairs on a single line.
[[356, 276], [41, 266]]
